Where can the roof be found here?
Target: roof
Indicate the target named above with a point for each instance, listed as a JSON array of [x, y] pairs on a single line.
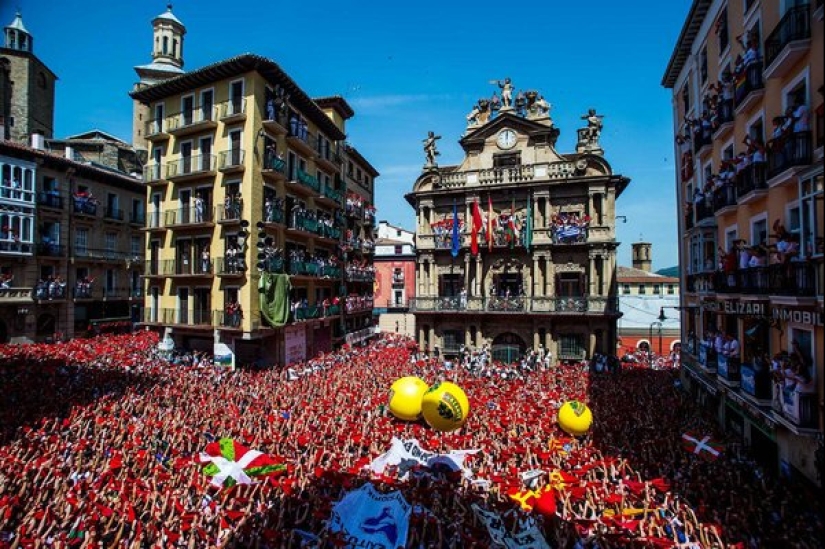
[[59, 161], [681, 52], [640, 311], [631, 274], [391, 242], [168, 16], [353, 152], [17, 24], [235, 66], [95, 134], [160, 67], [338, 103]]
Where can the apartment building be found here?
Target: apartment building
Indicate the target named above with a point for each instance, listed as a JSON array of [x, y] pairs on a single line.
[[394, 278], [747, 82]]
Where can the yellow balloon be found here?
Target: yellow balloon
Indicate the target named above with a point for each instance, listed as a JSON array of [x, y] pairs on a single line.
[[575, 417], [445, 406], [405, 397]]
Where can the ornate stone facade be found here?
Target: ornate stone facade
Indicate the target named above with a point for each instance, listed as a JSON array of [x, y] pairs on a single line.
[[516, 244]]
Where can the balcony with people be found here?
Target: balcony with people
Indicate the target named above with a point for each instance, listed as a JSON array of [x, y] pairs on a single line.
[[85, 203], [199, 214], [791, 143], [359, 271], [354, 206], [299, 136], [51, 288], [569, 228], [356, 303], [789, 41], [85, 289], [232, 209], [748, 73], [274, 166], [795, 398], [189, 167], [273, 209]]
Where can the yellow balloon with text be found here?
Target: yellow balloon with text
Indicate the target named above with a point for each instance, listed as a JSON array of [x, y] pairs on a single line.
[[445, 406], [575, 418], [405, 397]]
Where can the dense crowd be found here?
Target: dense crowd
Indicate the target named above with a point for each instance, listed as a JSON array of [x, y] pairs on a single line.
[[98, 440]]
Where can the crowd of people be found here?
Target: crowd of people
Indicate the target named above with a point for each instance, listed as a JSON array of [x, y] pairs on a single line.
[[103, 453]]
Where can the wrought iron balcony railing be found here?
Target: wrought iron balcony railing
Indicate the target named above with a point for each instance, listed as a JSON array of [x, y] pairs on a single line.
[[794, 25], [529, 305]]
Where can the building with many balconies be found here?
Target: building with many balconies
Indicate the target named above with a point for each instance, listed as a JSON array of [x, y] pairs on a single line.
[[71, 245], [394, 279], [747, 82], [515, 246], [259, 215]]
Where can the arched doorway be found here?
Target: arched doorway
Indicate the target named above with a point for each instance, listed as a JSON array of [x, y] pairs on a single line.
[[4, 332], [508, 347]]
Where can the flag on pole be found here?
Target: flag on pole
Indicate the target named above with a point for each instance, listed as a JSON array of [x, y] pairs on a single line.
[[489, 223], [528, 224], [477, 225], [456, 238], [230, 463], [702, 446]]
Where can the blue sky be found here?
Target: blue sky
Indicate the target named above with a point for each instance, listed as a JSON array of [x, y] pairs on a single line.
[[406, 68]]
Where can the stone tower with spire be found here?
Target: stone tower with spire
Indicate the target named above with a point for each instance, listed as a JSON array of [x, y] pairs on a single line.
[[642, 258], [167, 62], [26, 87]]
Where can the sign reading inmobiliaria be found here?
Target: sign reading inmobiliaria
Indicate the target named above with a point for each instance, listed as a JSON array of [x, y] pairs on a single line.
[[368, 518]]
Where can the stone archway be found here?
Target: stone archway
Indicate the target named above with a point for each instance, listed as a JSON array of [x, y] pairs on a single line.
[[508, 347]]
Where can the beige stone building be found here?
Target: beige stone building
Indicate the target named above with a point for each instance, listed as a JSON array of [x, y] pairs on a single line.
[[749, 121], [545, 270]]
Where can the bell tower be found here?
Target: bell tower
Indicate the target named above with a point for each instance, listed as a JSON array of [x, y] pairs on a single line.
[[642, 258], [167, 62]]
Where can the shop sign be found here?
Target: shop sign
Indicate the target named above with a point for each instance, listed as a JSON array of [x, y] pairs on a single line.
[[798, 316], [745, 308]]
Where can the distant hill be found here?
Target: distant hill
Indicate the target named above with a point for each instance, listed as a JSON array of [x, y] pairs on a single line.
[[670, 271]]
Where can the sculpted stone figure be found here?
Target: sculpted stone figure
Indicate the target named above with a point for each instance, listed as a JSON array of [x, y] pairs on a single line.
[[430, 150], [594, 125], [506, 92]]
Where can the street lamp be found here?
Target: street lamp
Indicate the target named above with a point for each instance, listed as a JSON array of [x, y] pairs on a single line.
[[658, 322]]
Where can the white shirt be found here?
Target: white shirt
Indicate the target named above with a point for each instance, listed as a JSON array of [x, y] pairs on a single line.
[[800, 115]]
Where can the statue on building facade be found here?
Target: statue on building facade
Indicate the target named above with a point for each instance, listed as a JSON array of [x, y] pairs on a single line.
[[430, 150], [589, 136], [480, 114], [506, 86]]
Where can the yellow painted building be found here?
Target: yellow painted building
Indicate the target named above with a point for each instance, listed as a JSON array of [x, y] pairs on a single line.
[[249, 178], [747, 82]]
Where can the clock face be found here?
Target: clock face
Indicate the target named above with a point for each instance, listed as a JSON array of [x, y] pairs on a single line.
[[506, 139]]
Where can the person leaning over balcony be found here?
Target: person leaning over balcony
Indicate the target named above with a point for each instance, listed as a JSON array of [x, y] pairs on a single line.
[[731, 347], [205, 259]]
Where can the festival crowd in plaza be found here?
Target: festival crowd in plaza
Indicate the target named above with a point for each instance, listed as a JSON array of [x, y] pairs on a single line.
[[99, 440]]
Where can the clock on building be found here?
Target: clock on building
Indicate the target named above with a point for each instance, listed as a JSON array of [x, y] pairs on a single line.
[[506, 139]]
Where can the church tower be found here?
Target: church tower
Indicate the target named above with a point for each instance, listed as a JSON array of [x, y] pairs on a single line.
[[641, 256], [167, 62], [26, 87]]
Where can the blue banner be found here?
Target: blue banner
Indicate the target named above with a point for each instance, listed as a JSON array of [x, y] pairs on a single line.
[[368, 518], [456, 238]]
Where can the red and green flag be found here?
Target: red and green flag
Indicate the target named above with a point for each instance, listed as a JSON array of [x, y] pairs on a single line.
[[703, 446], [229, 463]]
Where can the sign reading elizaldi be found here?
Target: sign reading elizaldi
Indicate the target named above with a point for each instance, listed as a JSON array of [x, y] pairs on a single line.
[[760, 309]]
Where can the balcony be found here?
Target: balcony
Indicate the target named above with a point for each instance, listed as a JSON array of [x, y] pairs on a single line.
[[84, 206], [789, 41], [191, 217], [191, 167], [795, 410], [331, 197], [724, 198], [47, 199], [303, 224], [153, 175], [705, 216], [17, 194], [569, 234], [15, 247], [756, 382], [727, 370], [85, 292], [793, 151], [229, 268], [198, 318], [724, 119], [358, 305], [10, 296], [278, 124], [398, 279], [271, 265], [749, 92], [157, 268], [229, 214], [231, 161], [118, 294], [48, 249], [707, 357], [274, 168], [194, 121], [303, 268], [113, 214], [306, 181], [154, 222], [702, 143], [99, 254], [187, 268], [50, 291], [233, 111], [516, 305], [301, 140], [797, 278], [751, 183], [327, 160], [155, 130], [359, 275], [273, 215]]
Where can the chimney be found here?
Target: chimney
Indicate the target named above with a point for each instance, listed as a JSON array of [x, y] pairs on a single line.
[[642, 258], [38, 141], [69, 152]]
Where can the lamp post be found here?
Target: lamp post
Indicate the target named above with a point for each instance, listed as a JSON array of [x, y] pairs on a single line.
[[658, 322]]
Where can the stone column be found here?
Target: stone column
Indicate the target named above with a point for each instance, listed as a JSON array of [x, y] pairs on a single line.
[[479, 280], [591, 276], [421, 336], [536, 277], [432, 338], [433, 281], [467, 273], [549, 278]]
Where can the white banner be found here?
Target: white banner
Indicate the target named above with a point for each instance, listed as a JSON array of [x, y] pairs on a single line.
[[406, 454], [295, 343], [368, 518]]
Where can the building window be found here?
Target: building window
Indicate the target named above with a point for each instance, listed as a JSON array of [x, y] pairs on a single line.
[[571, 346], [398, 250], [453, 340], [642, 290], [703, 65], [657, 289], [81, 240], [626, 289], [110, 242], [136, 245], [671, 289], [759, 232]]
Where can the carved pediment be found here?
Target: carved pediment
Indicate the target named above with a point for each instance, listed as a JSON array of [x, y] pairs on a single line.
[[523, 126]]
